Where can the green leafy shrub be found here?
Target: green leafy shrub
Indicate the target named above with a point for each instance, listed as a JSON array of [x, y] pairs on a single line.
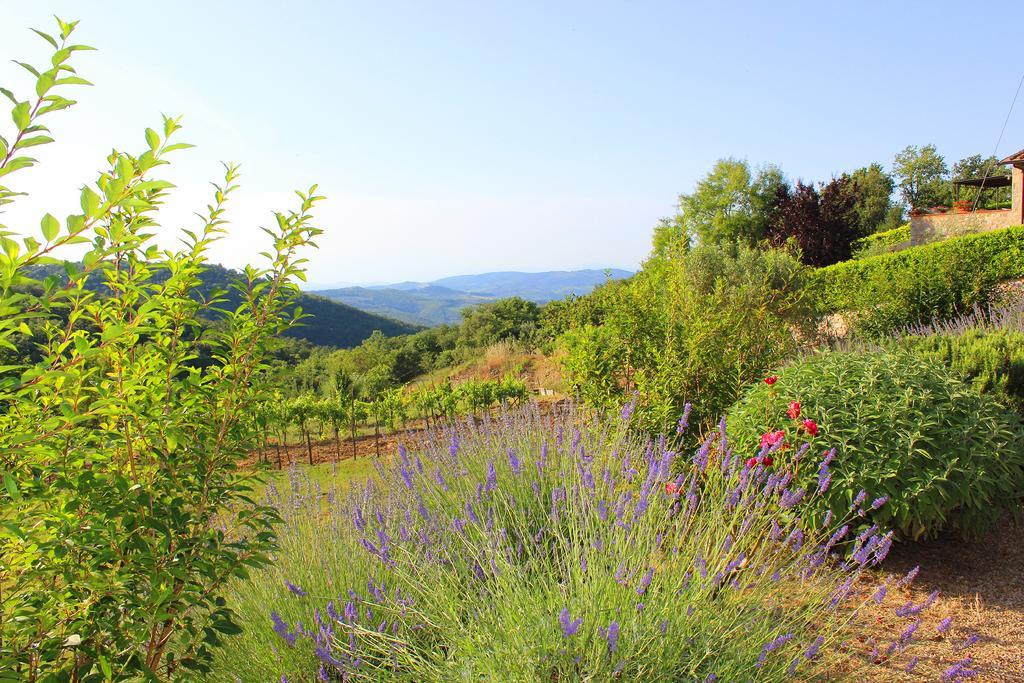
[[700, 326], [991, 359], [921, 284], [904, 427], [881, 242], [117, 453]]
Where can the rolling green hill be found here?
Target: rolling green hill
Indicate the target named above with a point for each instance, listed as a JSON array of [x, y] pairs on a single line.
[[330, 323]]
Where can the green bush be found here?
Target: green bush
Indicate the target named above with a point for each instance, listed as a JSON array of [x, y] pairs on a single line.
[[698, 327], [118, 455], [881, 242], [992, 360], [923, 283], [904, 427]]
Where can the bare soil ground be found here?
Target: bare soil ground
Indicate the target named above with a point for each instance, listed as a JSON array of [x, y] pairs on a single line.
[[981, 586]]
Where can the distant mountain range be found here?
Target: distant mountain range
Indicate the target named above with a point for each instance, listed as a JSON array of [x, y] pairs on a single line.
[[441, 301]]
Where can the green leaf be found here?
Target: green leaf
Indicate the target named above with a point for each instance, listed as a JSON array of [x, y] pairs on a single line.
[[12, 487], [46, 37], [152, 139], [90, 202], [105, 667], [21, 115], [36, 140], [50, 226]]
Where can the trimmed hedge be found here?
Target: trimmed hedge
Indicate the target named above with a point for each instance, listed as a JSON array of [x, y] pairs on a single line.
[[881, 242], [906, 427], [921, 284]]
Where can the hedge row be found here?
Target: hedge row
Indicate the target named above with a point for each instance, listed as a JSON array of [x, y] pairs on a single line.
[[923, 283], [881, 242]]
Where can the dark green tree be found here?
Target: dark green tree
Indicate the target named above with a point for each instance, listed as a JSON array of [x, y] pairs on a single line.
[[874, 198]]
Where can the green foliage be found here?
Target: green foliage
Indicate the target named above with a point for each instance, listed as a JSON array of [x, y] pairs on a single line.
[[511, 319], [920, 174], [992, 360], [976, 166], [699, 327], [117, 452], [727, 205], [874, 198], [921, 284], [904, 427], [881, 242]]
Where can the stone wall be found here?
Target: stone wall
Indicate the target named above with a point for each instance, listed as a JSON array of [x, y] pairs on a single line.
[[939, 226]]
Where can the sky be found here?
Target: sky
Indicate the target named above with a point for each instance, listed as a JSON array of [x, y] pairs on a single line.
[[466, 137]]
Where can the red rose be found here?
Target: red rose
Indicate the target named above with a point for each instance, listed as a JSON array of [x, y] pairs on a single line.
[[751, 462], [769, 439], [811, 426], [671, 488], [767, 461], [770, 380], [794, 410]]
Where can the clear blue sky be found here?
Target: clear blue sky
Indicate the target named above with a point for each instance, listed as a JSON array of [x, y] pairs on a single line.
[[462, 137]]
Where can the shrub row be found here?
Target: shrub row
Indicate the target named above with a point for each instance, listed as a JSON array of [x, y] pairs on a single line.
[[881, 242], [924, 283]]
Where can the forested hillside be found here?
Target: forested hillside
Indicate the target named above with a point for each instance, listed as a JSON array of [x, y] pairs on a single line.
[[329, 323]]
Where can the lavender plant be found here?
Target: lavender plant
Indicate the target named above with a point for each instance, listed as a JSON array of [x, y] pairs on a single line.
[[533, 547]]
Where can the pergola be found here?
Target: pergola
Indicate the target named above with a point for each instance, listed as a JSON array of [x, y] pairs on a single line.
[[981, 183]]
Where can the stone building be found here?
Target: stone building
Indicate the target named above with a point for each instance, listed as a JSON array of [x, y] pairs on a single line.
[[928, 227]]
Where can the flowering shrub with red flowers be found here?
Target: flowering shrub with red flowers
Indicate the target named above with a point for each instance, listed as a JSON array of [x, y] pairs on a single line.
[[905, 429]]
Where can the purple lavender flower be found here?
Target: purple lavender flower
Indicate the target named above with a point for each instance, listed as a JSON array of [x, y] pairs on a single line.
[[492, 477], [879, 502], [944, 625], [295, 589], [513, 462], [909, 631], [911, 575], [960, 671], [627, 410], [684, 420], [812, 651], [612, 636], [970, 641], [569, 626], [824, 479], [859, 499], [879, 595], [772, 646], [909, 668], [645, 581], [711, 678], [282, 630]]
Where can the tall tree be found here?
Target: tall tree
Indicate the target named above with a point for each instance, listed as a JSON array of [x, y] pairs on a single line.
[[921, 174], [822, 225], [874, 198], [729, 204], [718, 210]]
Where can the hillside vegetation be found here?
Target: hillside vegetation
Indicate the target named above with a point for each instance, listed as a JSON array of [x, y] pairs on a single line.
[[716, 504]]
